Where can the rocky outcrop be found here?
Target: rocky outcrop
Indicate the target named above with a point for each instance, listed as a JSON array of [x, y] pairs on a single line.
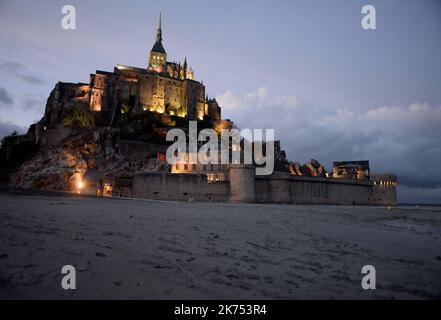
[[58, 167]]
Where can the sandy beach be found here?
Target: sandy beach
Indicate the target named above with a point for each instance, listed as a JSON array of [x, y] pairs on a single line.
[[141, 249]]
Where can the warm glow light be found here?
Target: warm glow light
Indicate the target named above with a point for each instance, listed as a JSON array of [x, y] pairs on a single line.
[[107, 191], [80, 185]]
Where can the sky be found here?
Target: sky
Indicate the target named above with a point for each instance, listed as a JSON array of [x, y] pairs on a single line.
[[330, 89]]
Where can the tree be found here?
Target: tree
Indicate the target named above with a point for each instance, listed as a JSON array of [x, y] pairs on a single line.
[[80, 117]]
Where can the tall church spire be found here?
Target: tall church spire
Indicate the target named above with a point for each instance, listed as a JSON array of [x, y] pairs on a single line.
[[159, 31], [158, 56], [158, 47]]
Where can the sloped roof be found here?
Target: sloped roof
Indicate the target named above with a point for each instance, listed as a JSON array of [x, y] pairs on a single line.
[[158, 47]]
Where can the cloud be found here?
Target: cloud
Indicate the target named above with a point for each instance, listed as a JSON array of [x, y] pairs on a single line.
[[5, 97], [419, 195], [7, 128], [404, 140], [33, 103], [19, 71]]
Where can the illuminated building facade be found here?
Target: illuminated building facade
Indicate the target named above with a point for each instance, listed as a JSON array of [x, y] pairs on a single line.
[[162, 87], [214, 171]]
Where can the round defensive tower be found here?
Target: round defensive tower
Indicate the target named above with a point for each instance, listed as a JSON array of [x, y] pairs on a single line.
[[242, 183]]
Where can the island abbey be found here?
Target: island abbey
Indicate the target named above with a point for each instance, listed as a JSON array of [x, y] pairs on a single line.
[[108, 137], [162, 86]]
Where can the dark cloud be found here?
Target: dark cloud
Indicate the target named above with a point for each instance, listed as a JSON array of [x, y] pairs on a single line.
[[401, 140], [11, 67], [419, 195], [35, 103], [6, 128], [5, 97], [19, 71], [30, 79]]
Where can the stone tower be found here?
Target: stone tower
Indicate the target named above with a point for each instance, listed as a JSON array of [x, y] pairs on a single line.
[[158, 56], [242, 187]]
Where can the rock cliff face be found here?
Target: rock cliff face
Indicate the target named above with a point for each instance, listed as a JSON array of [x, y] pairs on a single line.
[[57, 167]]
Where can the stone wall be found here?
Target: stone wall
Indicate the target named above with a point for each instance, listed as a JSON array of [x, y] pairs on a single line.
[[183, 187], [138, 150], [384, 191], [277, 188], [51, 137], [282, 188]]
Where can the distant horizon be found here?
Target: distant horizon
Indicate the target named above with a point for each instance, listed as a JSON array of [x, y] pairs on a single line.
[[331, 90]]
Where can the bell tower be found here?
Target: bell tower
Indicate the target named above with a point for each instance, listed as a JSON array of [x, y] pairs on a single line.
[[158, 56]]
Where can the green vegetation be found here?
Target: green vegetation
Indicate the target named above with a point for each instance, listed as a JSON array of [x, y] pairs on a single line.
[[81, 117], [124, 109]]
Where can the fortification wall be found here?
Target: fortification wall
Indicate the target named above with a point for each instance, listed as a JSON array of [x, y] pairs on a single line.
[[273, 189], [384, 195], [277, 188], [138, 151], [167, 186], [384, 189], [53, 136], [283, 188], [331, 191]]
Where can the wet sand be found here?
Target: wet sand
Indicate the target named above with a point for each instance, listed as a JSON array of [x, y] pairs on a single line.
[[141, 249]]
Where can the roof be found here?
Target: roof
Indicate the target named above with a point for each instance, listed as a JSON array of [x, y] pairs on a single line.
[[158, 47]]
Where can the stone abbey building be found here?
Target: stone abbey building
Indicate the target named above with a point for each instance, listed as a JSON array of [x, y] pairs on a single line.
[[162, 87]]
